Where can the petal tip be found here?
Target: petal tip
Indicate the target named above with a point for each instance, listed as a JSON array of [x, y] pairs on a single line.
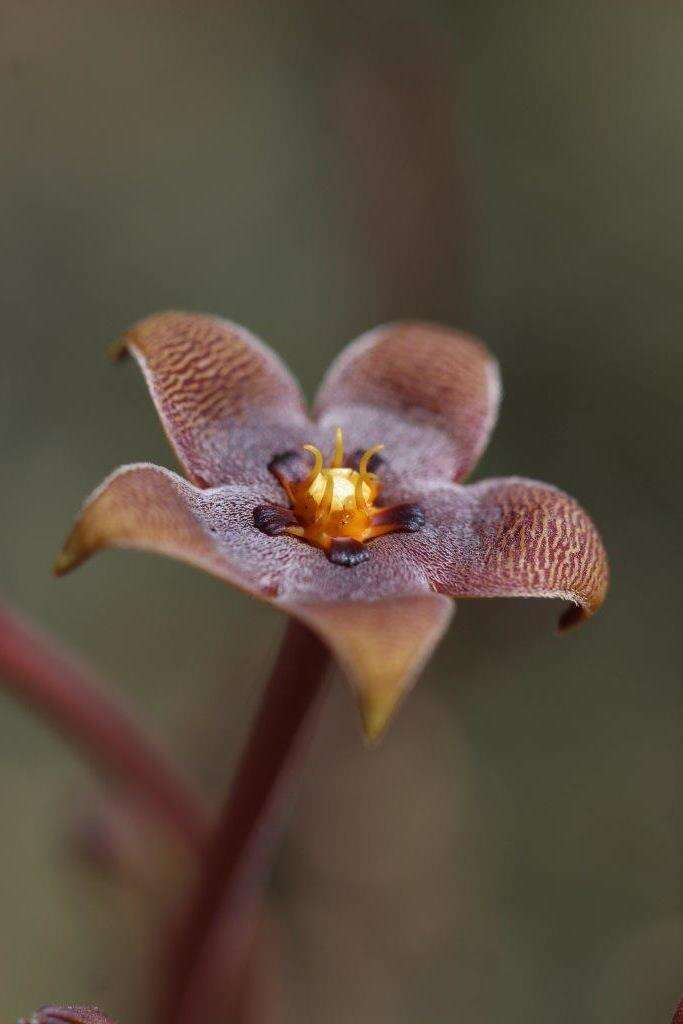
[[208, 376], [574, 616], [62, 564], [375, 716], [580, 611], [72, 554], [382, 646], [118, 350]]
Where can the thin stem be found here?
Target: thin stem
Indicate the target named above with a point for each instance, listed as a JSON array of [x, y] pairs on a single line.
[[70, 697], [213, 942]]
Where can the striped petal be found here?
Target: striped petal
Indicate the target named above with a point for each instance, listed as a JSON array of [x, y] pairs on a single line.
[[226, 401], [53, 1014], [381, 645], [512, 538], [430, 394]]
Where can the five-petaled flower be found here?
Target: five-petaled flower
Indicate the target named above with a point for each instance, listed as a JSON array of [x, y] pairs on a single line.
[[369, 551]]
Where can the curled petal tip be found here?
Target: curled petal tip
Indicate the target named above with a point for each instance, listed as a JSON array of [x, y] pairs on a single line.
[[118, 349], [524, 539], [63, 563], [76, 550], [209, 377], [147, 508], [574, 616], [581, 611]]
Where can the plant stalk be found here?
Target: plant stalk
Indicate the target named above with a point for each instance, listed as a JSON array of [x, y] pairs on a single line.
[[209, 956], [68, 695]]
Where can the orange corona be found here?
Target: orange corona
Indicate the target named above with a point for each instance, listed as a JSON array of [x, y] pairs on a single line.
[[335, 507]]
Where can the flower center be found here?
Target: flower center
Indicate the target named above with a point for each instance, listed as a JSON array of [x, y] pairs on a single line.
[[334, 507], [334, 501]]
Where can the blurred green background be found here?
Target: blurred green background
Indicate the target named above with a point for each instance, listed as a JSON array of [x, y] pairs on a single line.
[[513, 850]]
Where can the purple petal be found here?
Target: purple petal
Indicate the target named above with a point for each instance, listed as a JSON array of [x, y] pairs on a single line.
[[381, 645], [152, 509], [54, 1014], [430, 394], [379, 617], [226, 400], [512, 538]]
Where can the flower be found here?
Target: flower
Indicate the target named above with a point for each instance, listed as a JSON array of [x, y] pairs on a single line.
[[67, 1015], [369, 551]]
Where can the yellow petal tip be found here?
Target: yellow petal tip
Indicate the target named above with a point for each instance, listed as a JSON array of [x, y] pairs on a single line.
[[375, 717], [63, 563], [72, 554]]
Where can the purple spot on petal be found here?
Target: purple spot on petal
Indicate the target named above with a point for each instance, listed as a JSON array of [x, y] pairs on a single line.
[[347, 552]]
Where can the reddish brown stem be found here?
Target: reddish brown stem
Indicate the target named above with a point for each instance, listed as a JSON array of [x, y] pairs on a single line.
[[67, 694], [214, 938]]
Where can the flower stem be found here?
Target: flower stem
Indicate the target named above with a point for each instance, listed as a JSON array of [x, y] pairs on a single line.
[[213, 941], [65, 692]]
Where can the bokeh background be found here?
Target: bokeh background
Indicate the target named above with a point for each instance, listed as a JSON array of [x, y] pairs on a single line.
[[513, 850]]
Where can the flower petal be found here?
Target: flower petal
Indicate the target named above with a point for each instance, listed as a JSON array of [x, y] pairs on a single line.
[[512, 538], [222, 395], [53, 1014], [379, 618], [381, 645], [152, 509], [430, 394]]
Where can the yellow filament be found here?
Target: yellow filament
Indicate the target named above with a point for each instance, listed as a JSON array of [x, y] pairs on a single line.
[[317, 465], [360, 497], [365, 458], [336, 503], [338, 450], [326, 501], [364, 477]]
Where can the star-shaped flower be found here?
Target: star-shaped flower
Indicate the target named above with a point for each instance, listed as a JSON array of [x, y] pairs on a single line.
[[369, 550]]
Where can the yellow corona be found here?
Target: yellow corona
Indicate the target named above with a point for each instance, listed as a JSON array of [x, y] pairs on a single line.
[[334, 507]]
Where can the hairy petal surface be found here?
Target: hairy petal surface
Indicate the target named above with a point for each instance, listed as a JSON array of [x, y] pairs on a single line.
[[430, 394], [149, 508], [53, 1014], [380, 618], [226, 401], [513, 537], [381, 645]]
